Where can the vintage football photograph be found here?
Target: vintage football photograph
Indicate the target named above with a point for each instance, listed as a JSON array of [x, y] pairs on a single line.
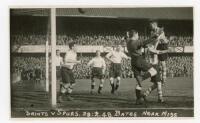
[[101, 62]]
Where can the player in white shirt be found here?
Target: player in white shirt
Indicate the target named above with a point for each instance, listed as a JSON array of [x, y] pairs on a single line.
[[115, 57], [156, 80], [162, 45], [59, 62], [68, 80], [98, 69]]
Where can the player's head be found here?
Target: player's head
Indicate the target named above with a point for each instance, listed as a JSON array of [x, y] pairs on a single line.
[[72, 46], [118, 48], [133, 34], [58, 52], [153, 24], [98, 53]]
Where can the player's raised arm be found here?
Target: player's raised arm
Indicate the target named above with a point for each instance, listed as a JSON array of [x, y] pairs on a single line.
[[145, 42], [108, 56], [125, 56], [103, 65]]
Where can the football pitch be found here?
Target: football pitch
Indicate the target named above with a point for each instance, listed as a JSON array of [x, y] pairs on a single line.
[[28, 95]]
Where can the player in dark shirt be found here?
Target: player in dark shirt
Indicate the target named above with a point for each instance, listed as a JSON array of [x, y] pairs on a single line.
[[138, 62]]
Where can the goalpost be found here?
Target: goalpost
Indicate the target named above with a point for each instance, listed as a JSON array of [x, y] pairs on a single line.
[[52, 29], [53, 55]]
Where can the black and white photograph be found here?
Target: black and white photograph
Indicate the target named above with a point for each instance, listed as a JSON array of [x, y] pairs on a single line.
[[104, 62]]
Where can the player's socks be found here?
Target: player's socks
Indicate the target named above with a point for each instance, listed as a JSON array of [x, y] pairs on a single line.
[[138, 90], [164, 76], [112, 85], [113, 88], [164, 72], [118, 83], [117, 86], [60, 98], [92, 86], [99, 90], [100, 86], [160, 95], [149, 90]]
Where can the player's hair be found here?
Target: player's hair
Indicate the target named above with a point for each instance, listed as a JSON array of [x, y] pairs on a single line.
[[57, 50], [132, 32], [71, 44], [153, 21], [98, 51]]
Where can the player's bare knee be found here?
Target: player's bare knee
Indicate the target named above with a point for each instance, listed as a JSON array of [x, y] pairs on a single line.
[[138, 87], [118, 79], [111, 80], [152, 71], [101, 81]]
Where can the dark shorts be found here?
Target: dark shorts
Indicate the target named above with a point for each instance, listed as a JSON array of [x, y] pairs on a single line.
[[97, 73], [37, 77], [67, 75], [162, 57], [115, 70], [156, 78], [58, 73], [139, 65]]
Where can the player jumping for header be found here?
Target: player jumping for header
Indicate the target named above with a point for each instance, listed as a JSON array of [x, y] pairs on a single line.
[[98, 69], [152, 55], [138, 62], [162, 46], [115, 57]]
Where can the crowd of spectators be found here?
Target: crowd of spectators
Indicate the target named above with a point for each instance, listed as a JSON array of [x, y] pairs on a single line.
[[28, 39], [177, 66], [180, 41], [180, 66], [26, 66], [90, 39]]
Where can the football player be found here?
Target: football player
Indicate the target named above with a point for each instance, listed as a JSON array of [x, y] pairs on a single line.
[[115, 57], [138, 62], [68, 80], [162, 46], [98, 69]]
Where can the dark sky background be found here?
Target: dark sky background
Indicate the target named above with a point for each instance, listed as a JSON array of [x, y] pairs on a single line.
[[177, 13], [185, 13]]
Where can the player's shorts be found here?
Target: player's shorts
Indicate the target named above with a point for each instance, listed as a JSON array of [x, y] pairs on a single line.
[[162, 57], [115, 70], [67, 75], [58, 73], [37, 77], [156, 78], [139, 64], [97, 73]]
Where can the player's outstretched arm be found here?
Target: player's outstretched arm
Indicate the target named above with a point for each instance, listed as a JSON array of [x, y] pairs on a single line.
[[108, 56], [145, 42], [103, 66]]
